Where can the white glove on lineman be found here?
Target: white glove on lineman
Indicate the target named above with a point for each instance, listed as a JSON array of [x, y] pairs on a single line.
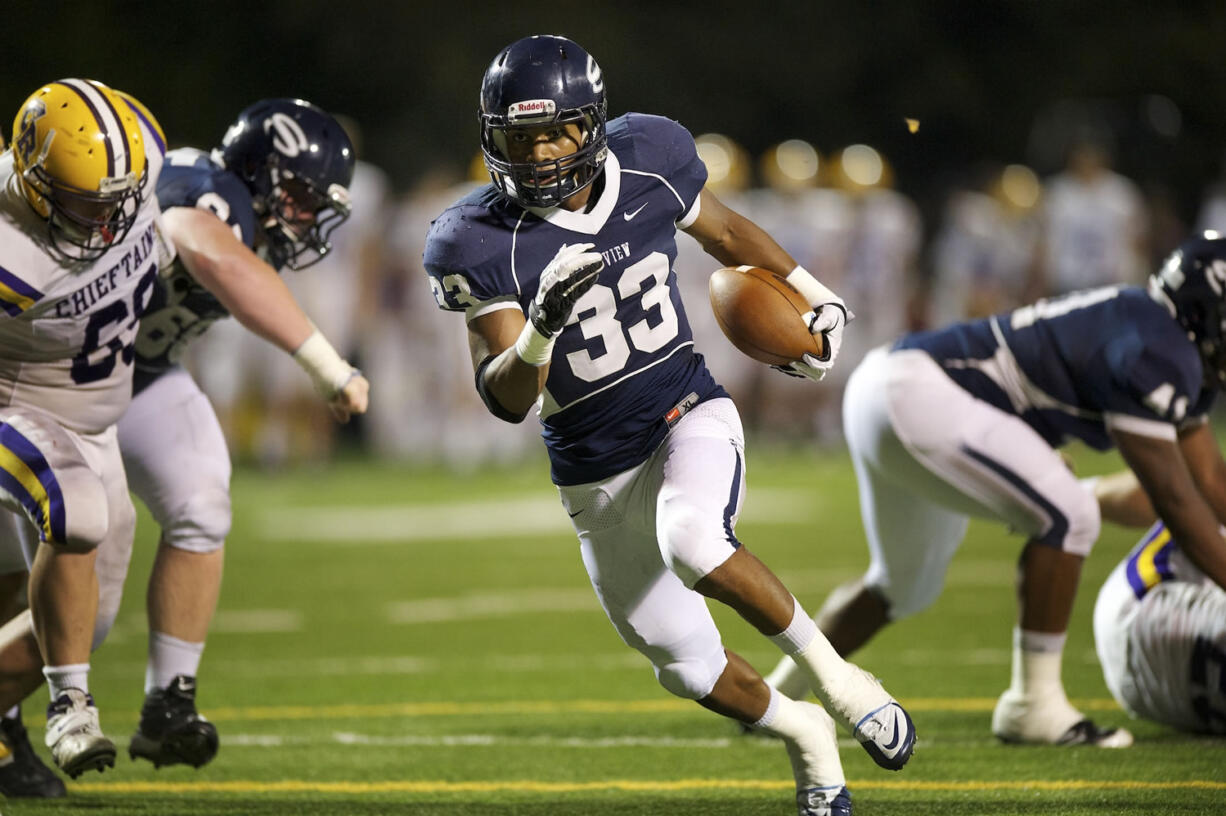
[[571, 273]]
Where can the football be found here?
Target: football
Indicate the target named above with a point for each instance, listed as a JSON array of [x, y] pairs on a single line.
[[761, 314]]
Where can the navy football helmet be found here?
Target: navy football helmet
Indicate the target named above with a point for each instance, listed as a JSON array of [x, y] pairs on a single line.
[[1192, 284], [297, 161], [536, 81]]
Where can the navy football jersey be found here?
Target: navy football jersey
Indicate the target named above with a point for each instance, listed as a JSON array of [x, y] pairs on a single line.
[[626, 357], [1077, 366], [181, 309]]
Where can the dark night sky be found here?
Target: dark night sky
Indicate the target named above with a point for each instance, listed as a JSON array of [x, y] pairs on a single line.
[[977, 74]]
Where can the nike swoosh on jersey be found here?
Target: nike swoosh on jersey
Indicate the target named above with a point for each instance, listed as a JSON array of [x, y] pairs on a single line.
[[633, 213]]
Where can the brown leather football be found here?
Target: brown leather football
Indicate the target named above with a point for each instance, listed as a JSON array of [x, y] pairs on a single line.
[[762, 314]]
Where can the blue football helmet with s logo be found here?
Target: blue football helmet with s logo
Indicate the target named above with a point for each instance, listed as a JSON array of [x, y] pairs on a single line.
[[297, 161], [541, 81], [1192, 285]]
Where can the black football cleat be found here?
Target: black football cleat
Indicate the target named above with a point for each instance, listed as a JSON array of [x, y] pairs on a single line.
[[22, 774], [171, 732]]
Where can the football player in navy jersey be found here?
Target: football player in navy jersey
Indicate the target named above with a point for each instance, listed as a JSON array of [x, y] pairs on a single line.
[[563, 271], [966, 421], [266, 199]]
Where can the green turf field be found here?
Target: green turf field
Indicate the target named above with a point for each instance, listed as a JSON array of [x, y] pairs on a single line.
[[398, 641]]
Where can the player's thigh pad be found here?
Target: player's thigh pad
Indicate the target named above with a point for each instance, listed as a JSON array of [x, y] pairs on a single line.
[[44, 474], [177, 462], [911, 537], [986, 463], [651, 609], [700, 467]]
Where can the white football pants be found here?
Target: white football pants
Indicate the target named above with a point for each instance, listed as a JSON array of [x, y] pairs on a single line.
[[929, 456], [177, 461], [67, 489], [650, 533]]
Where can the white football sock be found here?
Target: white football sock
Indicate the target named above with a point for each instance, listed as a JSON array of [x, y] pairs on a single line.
[[168, 658], [808, 733], [62, 678], [1036, 663]]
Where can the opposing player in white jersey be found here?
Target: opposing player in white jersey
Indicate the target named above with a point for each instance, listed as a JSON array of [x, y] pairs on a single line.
[[1160, 632], [1160, 621], [78, 264], [563, 270], [276, 187], [966, 421]]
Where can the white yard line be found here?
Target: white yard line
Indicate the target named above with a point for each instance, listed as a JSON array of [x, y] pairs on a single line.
[[255, 621], [528, 515], [478, 605]]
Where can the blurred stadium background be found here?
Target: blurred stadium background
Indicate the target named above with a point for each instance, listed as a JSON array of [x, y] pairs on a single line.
[[930, 160], [919, 152]]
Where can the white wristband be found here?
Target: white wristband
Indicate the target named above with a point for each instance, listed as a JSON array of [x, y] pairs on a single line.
[[814, 290], [533, 348], [328, 370]]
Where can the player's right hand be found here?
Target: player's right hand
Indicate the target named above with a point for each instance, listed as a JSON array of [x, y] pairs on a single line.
[[567, 277], [351, 399]]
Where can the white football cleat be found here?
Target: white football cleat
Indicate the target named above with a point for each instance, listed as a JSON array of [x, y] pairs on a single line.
[[1050, 721], [74, 736], [875, 719], [823, 802]]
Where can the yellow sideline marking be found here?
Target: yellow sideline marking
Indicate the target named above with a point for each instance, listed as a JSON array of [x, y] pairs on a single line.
[[629, 785], [466, 709]]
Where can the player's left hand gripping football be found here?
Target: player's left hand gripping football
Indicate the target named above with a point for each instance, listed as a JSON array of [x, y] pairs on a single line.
[[827, 319], [567, 278]]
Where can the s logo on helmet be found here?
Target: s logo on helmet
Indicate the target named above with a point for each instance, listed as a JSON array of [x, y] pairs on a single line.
[[1215, 274], [23, 143], [594, 76], [288, 138]]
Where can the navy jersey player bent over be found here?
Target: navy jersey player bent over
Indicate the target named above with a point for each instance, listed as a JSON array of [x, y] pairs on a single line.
[[563, 269], [966, 421]]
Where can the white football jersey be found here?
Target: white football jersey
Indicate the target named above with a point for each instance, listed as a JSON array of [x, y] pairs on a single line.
[[67, 327], [1160, 632]]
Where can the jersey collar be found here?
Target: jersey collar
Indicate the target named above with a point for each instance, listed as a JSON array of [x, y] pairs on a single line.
[[588, 223]]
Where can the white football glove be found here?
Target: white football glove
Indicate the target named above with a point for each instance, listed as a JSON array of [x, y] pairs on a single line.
[[566, 279], [828, 320]]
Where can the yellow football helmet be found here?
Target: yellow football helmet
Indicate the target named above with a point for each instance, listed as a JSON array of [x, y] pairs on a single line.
[[146, 116], [79, 157]]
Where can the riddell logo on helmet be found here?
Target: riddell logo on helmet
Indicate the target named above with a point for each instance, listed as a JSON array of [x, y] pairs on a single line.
[[532, 109]]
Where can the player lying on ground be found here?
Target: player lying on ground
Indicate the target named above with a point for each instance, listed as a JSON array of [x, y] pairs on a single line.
[[1160, 621]]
